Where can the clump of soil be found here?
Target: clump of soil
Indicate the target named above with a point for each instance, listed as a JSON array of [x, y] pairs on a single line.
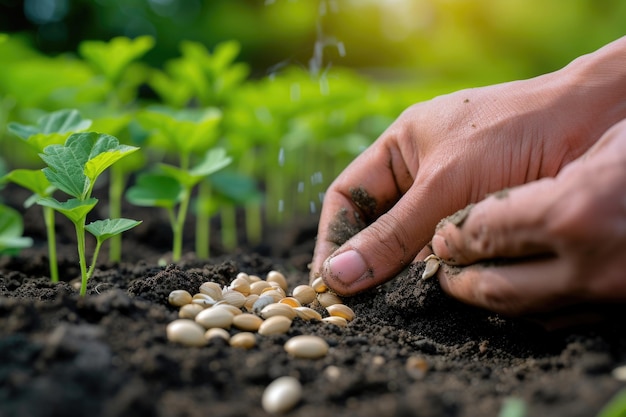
[[410, 351]]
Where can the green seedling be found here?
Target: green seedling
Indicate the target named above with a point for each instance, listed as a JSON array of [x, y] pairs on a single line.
[[616, 407], [11, 230], [50, 129], [74, 168], [171, 189]]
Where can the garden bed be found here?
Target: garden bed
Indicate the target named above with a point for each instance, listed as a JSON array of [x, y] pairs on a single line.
[[410, 350]]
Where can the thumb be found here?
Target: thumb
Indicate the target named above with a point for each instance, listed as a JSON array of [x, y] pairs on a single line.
[[381, 250]]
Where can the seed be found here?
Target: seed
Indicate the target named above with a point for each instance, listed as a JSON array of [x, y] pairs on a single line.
[[244, 276], [250, 300], [275, 325], [215, 317], [304, 293], [432, 266], [619, 373], [248, 322], [254, 278], [341, 310], [336, 320], [241, 285], [281, 395], [217, 332], [230, 308], [204, 302], [291, 302], [307, 346], [261, 303], [307, 313], [234, 298], [276, 293], [189, 311], [319, 285], [212, 289], [245, 340], [278, 309], [416, 367], [277, 277], [258, 287], [179, 298], [327, 299], [186, 332]]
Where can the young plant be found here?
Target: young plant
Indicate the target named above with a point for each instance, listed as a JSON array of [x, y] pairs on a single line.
[[171, 189], [74, 168], [50, 129], [11, 230]]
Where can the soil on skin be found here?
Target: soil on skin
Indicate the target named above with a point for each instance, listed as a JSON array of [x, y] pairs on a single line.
[[411, 351]]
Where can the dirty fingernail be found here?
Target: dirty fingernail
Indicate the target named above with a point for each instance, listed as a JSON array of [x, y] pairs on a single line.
[[347, 267]]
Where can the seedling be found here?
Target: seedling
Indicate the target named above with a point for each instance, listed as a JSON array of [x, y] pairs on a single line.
[[11, 230], [74, 168], [171, 187]]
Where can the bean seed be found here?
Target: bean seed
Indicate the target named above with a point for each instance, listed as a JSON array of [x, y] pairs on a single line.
[[247, 321], [336, 320], [341, 310], [186, 332], [254, 278], [319, 285], [304, 293], [189, 311], [261, 303], [205, 303], [244, 276], [277, 277], [291, 302], [230, 308], [432, 266], [179, 298], [327, 299], [250, 300], [217, 332], [307, 313], [281, 395], [215, 317], [275, 325], [307, 346], [234, 298], [241, 285], [276, 293], [258, 287], [211, 289], [245, 340], [278, 309]]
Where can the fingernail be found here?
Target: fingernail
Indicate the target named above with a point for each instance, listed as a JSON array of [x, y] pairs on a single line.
[[347, 267]]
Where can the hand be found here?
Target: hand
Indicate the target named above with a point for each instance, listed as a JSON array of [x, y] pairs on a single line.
[[547, 244], [443, 154]]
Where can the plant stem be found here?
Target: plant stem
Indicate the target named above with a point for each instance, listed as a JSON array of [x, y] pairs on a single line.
[[116, 190], [80, 242], [94, 259], [228, 218], [179, 225], [48, 217], [203, 224]]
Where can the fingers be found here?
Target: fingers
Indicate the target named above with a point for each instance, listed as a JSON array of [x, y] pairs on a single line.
[[508, 224]]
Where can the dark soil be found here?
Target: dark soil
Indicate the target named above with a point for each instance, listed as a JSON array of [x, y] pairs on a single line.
[[411, 351]]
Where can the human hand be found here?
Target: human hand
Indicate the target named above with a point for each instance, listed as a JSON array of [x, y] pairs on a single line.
[[443, 154], [555, 242]]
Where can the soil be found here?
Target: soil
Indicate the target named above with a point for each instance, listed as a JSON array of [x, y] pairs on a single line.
[[411, 350]]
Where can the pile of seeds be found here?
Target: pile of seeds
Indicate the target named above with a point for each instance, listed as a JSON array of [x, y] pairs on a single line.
[[253, 305]]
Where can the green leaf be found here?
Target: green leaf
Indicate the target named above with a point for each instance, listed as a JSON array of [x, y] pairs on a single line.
[[107, 228], [32, 179], [616, 407], [513, 407], [11, 229], [74, 209], [184, 178], [155, 190], [236, 187], [113, 57], [99, 163], [214, 160]]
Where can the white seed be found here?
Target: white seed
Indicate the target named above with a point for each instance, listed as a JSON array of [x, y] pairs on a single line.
[[179, 298], [258, 287], [247, 321], [278, 309], [241, 285], [234, 298], [230, 308], [619, 373], [336, 320], [327, 299], [215, 317], [277, 277], [212, 289], [244, 276], [186, 332], [319, 285], [307, 313], [189, 311], [432, 266], [304, 293], [205, 303], [341, 310], [217, 332], [276, 293], [275, 325], [254, 278], [250, 300], [245, 340], [281, 395], [291, 302], [307, 346]]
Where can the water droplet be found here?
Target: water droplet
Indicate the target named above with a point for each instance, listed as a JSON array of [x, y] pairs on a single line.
[[320, 196], [341, 49], [281, 157], [301, 186], [312, 207], [281, 205]]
